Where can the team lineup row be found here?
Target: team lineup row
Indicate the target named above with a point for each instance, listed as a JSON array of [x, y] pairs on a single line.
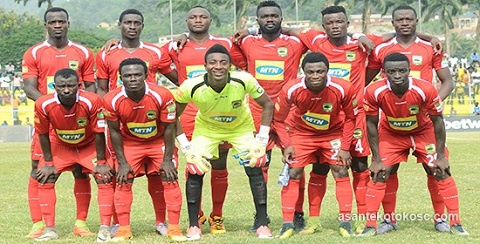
[[330, 109]]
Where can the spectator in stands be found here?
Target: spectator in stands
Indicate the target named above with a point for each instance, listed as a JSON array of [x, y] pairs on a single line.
[[23, 97], [464, 61], [17, 121], [460, 91], [475, 58], [27, 121], [453, 112], [476, 109], [475, 76], [10, 69], [4, 123], [5, 83], [17, 83]]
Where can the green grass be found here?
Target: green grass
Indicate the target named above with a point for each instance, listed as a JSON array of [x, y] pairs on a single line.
[[413, 197]]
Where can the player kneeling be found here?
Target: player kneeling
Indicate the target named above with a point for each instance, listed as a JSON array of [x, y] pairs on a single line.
[[70, 128]]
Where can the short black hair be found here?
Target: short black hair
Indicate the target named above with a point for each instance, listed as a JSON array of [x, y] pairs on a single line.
[[395, 57], [404, 7], [52, 10], [333, 10], [65, 73], [129, 11], [315, 57], [269, 3], [218, 48], [133, 61]]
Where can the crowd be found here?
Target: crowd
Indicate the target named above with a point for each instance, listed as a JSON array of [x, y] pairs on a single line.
[[117, 124]]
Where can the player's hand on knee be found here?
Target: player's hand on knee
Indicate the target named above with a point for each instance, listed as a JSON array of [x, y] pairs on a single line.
[[168, 168], [47, 171], [344, 157], [103, 172], [441, 168], [378, 170], [123, 173], [198, 165]]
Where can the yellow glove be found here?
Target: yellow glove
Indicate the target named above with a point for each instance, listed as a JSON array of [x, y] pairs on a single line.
[[197, 162], [256, 152]]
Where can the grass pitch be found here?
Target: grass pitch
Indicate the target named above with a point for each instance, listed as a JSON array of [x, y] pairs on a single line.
[[413, 198]]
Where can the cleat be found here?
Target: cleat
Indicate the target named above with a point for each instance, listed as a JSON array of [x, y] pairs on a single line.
[[442, 226], [175, 233], [114, 229], [81, 229], [298, 221], [368, 232], [313, 225], [103, 234], [345, 229], [263, 232], [386, 226], [161, 229], [359, 226], [124, 233], [216, 225], [287, 231], [194, 233], [36, 231], [202, 219], [255, 225], [458, 230], [48, 235]]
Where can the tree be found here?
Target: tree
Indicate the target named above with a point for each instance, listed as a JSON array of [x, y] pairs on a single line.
[[40, 2], [446, 10]]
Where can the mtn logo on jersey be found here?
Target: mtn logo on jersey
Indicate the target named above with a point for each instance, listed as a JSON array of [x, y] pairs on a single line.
[[223, 119], [71, 136], [143, 130], [195, 70], [340, 70], [403, 124], [269, 70], [317, 121]]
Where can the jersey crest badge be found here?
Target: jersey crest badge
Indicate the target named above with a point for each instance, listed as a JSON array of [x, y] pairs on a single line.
[[73, 64], [417, 60], [414, 109], [282, 51], [351, 56], [151, 114], [236, 103], [82, 122], [327, 107], [171, 108], [430, 149], [357, 133], [336, 144]]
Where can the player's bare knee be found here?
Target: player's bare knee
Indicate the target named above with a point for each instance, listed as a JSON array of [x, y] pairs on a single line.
[[320, 169], [427, 169], [338, 171], [296, 173], [77, 172], [359, 164], [34, 165]]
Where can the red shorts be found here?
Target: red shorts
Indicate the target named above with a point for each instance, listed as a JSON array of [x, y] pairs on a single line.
[[308, 148], [146, 158], [395, 148], [360, 146], [65, 157]]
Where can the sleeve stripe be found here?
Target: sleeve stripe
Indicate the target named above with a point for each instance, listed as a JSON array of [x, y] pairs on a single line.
[[419, 91], [85, 100], [84, 49], [300, 84], [378, 91], [230, 44], [116, 97], [156, 50], [319, 36], [339, 87], [35, 49], [385, 44], [157, 96], [46, 103]]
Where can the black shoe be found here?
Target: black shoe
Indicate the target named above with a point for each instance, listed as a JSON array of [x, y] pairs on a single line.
[[298, 222], [255, 226]]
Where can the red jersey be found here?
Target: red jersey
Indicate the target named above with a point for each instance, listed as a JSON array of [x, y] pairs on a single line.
[[273, 63], [108, 64], [191, 59], [75, 127], [420, 54], [331, 111], [141, 121], [406, 115], [347, 62], [43, 60]]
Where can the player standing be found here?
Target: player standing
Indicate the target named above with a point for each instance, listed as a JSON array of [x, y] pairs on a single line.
[[411, 119], [422, 63], [224, 116], [323, 124], [75, 122], [141, 119], [40, 62]]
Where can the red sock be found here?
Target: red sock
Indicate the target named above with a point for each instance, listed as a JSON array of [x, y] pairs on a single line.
[[35, 211], [359, 184], [114, 216], [317, 186], [344, 195], [289, 197], [83, 193], [47, 198], [173, 199], [390, 199], [105, 203], [265, 173], [123, 199], [437, 199], [155, 188], [449, 192], [301, 195], [219, 182], [373, 197]]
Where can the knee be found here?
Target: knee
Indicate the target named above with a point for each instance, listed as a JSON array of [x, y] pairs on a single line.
[[359, 164], [320, 169], [296, 173], [77, 172]]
